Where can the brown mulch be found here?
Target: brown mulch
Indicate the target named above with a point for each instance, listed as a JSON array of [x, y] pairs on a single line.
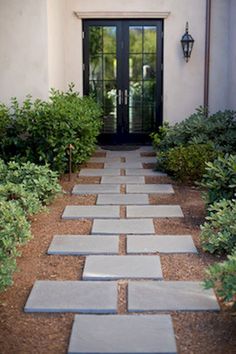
[[20, 333]]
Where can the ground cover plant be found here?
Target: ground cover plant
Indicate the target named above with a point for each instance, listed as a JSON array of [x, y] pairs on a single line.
[[41, 132], [24, 189]]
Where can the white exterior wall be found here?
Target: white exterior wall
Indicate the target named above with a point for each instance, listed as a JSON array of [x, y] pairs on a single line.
[[232, 57], [24, 49], [219, 68], [41, 47], [56, 43], [183, 82]]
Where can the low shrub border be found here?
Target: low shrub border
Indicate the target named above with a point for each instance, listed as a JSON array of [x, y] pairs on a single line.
[[24, 189]]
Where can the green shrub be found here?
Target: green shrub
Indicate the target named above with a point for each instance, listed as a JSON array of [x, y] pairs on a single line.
[[14, 230], [222, 277], [28, 201], [218, 233], [220, 178], [218, 129], [186, 163], [41, 132], [39, 180]]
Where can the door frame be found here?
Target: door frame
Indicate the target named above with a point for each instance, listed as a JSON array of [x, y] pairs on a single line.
[[123, 113]]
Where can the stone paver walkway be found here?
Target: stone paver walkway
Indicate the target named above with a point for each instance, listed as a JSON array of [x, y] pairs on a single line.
[[121, 213]]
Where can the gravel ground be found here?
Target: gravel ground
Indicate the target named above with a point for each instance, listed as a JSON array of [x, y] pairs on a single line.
[[20, 333]]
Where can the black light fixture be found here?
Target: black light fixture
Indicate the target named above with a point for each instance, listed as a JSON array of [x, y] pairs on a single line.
[[187, 44]]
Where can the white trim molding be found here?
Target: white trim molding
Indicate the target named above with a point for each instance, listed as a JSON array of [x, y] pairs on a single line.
[[120, 14]]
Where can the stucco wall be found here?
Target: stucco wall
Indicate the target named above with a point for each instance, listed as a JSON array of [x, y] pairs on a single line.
[[232, 57], [218, 88], [56, 43], [24, 49], [183, 83]]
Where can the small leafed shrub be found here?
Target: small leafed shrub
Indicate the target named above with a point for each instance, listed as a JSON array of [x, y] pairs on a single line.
[[39, 180], [186, 163], [220, 179], [218, 233], [222, 277], [41, 132], [14, 230], [218, 129], [17, 194]]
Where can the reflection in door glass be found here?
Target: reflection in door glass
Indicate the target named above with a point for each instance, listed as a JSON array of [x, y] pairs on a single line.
[[103, 72], [142, 78]]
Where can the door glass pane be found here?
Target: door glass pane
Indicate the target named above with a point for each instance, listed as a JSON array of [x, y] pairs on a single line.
[[109, 106], [135, 66], [136, 39], [103, 72], [109, 66], [95, 40], [109, 40], [150, 39], [149, 91], [95, 67], [149, 66]]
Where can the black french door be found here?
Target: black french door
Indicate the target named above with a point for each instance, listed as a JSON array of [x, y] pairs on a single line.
[[123, 70]]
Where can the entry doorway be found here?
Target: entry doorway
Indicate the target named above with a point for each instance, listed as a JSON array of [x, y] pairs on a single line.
[[123, 70]]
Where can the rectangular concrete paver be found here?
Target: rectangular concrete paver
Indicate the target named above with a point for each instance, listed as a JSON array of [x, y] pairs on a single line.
[[90, 211], [98, 172], [143, 172], [122, 267], [125, 199], [154, 211], [147, 159], [123, 226], [104, 159], [122, 334], [84, 245], [72, 296], [170, 296], [150, 188], [123, 165], [162, 244], [95, 188], [123, 179]]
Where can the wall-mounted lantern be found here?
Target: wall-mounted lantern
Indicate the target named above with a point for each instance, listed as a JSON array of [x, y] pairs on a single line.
[[187, 44]]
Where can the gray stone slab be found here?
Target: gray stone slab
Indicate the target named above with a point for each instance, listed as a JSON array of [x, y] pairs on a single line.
[[122, 267], [72, 296], [122, 334], [90, 211], [122, 199], [123, 179], [150, 188], [95, 188], [162, 244], [104, 159], [98, 172], [84, 245], [123, 165], [170, 296], [123, 226], [142, 159], [143, 172], [154, 211], [148, 148]]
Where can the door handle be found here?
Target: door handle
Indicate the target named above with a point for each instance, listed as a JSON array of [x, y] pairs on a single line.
[[126, 97], [119, 97]]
